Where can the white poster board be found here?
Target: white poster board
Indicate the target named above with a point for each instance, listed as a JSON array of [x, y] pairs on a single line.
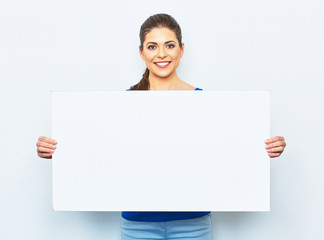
[[161, 150]]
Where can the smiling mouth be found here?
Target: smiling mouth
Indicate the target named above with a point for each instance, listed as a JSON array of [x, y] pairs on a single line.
[[162, 64]]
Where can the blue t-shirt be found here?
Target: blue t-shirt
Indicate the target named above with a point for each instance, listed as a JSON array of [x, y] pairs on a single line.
[[195, 89], [161, 216]]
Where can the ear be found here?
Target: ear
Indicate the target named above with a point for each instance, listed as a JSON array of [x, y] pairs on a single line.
[[182, 50], [140, 51]]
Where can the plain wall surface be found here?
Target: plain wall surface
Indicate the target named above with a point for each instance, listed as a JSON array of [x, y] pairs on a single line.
[[229, 45]]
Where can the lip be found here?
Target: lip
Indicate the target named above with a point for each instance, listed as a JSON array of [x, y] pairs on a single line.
[[162, 66]]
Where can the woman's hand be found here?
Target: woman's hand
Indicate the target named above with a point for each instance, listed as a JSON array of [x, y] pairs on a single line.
[[46, 147], [275, 146]]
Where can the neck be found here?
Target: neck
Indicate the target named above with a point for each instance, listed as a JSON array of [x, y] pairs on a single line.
[[172, 82]]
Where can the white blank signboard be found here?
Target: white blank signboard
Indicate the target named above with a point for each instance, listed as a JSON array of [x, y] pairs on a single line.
[[161, 150]]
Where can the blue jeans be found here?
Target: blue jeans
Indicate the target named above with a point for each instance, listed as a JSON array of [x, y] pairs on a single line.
[[189, 229]]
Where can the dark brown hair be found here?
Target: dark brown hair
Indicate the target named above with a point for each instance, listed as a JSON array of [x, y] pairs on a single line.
[[156, 21]]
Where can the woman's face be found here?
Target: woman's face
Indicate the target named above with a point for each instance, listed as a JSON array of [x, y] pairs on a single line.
[[161, 52]]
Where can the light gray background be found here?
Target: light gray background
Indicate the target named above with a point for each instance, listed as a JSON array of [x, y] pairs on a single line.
[[230, 45]]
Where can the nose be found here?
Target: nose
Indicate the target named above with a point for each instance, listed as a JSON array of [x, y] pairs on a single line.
[[162, 53]]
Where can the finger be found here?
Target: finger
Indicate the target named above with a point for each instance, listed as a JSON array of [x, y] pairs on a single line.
[[47, 140], [45, 145], [44, 150], [274, 139], [45, 155], [272, 155], [276, 149], [275, 144]]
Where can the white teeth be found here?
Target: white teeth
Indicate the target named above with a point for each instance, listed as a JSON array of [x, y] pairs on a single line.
[[162, 64]]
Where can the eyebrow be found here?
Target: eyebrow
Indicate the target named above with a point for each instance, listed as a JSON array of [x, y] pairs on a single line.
[[164, 43]]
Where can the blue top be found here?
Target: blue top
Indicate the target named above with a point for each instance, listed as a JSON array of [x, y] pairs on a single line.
[[161, 216], [195, 89]]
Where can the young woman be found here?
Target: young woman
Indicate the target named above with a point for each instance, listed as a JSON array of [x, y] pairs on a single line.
[[161, 48]]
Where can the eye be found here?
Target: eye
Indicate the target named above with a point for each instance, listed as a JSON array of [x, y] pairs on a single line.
[[151, 47], [170, 46]]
